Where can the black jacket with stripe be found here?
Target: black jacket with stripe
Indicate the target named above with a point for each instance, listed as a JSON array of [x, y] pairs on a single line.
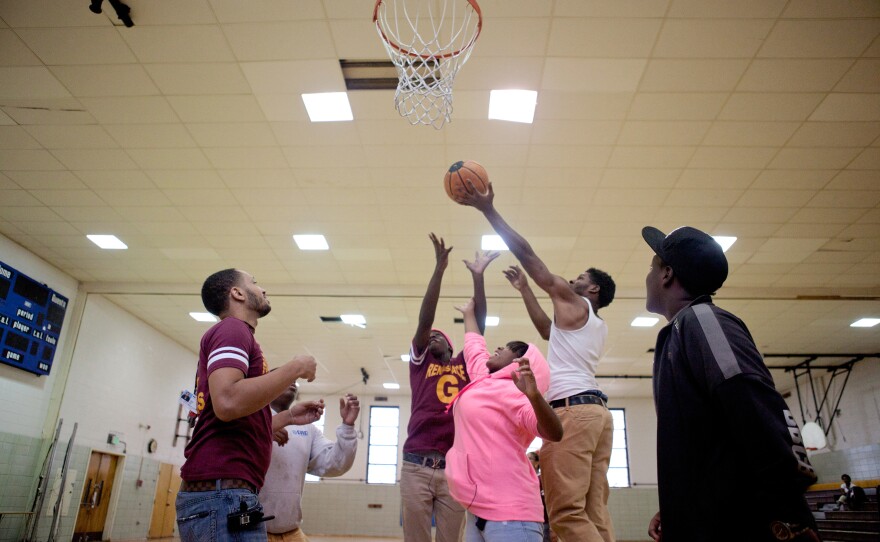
[[730, 459]]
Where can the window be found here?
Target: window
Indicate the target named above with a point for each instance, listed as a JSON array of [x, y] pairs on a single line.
[[320, 425], [618, 470], [382, 446]]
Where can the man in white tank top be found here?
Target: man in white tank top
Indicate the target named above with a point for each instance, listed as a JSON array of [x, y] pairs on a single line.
[[574, 469]]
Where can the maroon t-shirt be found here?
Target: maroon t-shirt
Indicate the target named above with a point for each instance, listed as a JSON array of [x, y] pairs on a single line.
[[434, 385], [240, 448]]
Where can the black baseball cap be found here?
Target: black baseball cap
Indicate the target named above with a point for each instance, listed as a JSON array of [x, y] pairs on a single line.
[[697, 258]]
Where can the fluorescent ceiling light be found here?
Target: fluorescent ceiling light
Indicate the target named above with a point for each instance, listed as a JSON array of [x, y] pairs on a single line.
[[493, 242], [328, 106], [513, 105], [203, 317], [391, 386], [644, 321], [865, 322], [405, 357], [357, 320], [492, 321], [107, 242], [311, 242], [725, 241]]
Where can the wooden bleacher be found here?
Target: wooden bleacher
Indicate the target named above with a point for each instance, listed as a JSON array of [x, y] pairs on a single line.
[[845, 525]]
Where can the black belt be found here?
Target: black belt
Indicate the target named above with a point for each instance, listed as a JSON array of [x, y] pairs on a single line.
[[432, 462], [585, 399], [214, 485]]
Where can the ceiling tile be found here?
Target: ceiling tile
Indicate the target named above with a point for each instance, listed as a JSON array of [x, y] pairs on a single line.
[[850, 180], [310, 157], [48, 13], [500, 73], [740, 134], [663, 133], [769, 106], [582, 105], [353, 39], [45, 179], [246, 158], [793, 75], [813, 9], [178, 43], [259, 178], [232, 134], [494, 41], [610, 8], [294, 76], [868, 159], [198, 196], [592, 75], [672, 75], [169, 158], [135, 198], [29, 82], [70, 198], [199, 78], [16, 137], [89, 159], [171, 12], [732, 157], [707, 38], [106, 80], [848, 107], [280, 40], [58, 111], [717, 178], [72, 137], [28, 159], [81, 45], [591, 37], [283, 107], [130, 109], [676, 106], [150, 135], [243, 108], [819, 38], [567, 132], [720, 8], [554, 155], [651, 157], [186, 178], [99, 179], [15, 52], [780, 179], [835, 134], [859, 199], [234, 11], [687, 197], [812, 158], [776, 198], [864, 76]]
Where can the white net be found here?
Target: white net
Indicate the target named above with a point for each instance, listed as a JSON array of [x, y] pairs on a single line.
[[428, 41]]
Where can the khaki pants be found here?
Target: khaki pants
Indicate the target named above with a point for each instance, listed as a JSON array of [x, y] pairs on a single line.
[[295, 535], [575, 475], [424, 492]]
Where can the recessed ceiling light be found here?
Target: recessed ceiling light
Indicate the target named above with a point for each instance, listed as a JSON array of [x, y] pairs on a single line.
[[492, 321], [493, 242], [405, 357], [725, 241], [328, 106], [203, 317], [357, 320], [311, 242], [513, 105], [644, 321], [865, 322], [391, 386], [107, 242]]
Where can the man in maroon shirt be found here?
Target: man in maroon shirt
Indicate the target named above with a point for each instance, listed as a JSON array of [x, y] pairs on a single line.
[[231, 446], [435, 377]]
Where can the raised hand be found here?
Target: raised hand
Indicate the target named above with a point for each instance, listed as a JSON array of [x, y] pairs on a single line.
[[440, 251], [306, 412], [524, 378], [349, 408], [307, 366], [516, 277], [467, 307], [280, 436], [481, 261], [482, 201]]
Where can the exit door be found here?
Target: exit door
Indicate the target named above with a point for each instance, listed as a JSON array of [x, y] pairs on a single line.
[[95, 501]]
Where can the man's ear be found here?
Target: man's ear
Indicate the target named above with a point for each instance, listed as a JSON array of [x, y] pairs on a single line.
[[668, 276], [237, 293], [593, 289]]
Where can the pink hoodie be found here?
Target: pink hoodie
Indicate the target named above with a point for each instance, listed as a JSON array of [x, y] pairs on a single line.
[[487, 468]]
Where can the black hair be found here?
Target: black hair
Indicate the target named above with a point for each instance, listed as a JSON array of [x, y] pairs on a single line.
[[606, 286], [519, 348], [846, 476], [215, 290]]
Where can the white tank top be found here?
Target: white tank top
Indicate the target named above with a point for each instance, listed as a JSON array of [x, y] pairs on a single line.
[[574, 357]]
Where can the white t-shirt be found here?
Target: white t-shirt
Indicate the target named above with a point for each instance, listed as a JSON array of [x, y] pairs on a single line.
[[574, 355]]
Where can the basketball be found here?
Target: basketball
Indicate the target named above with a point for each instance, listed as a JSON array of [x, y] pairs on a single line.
[[461, 172]]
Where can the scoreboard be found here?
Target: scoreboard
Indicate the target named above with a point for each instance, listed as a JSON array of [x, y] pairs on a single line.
[[31, 315]]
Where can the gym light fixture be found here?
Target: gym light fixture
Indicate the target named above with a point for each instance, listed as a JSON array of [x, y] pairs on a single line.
[[107, 242]]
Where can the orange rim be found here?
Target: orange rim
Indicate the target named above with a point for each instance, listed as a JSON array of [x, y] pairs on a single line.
[[407, 52]]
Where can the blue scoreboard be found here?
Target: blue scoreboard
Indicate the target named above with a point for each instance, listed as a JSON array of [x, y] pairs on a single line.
[[31, 315]]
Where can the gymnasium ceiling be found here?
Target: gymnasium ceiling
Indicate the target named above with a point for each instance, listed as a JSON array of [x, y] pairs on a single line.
[[186, 137]]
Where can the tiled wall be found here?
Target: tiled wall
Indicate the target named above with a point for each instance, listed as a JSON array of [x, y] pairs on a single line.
[[341, 508], [18, 462], [860, 463]]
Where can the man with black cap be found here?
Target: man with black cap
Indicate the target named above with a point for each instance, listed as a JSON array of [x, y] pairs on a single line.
[[731, 464]]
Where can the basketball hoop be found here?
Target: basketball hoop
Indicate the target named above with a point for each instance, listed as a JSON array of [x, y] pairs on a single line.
[[428, 41]]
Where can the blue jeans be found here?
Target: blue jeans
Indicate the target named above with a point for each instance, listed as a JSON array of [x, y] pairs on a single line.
[[201, 516], [503, 531]]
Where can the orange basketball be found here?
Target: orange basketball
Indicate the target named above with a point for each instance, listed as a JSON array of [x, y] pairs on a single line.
[[463, 171]]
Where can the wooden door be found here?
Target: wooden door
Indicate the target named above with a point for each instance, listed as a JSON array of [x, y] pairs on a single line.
[[95, 501], [164, 518]]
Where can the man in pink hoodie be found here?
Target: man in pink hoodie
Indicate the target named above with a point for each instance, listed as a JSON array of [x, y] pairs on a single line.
[[496, 417]]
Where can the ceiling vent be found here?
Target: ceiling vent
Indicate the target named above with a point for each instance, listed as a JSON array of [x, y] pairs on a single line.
[[369, 74], [331, 318]]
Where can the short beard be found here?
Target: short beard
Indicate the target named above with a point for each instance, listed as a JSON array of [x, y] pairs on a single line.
[[262, 309]]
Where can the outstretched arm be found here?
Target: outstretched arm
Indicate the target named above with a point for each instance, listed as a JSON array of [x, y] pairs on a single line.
[[539, 318], [470, 319], [432, 295], [549, 426], [477, 267], [484, 202]]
